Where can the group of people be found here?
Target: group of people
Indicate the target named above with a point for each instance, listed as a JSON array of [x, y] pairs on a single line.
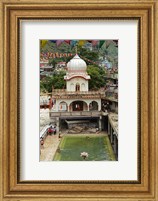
[[52, 130]]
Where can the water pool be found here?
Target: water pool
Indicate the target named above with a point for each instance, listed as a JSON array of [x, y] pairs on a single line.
[[97, 147]]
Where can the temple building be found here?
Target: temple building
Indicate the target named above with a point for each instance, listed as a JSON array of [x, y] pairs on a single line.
[[76, 102]]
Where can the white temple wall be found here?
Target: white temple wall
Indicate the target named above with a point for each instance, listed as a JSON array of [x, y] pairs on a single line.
[[71, 84], [58, 107]]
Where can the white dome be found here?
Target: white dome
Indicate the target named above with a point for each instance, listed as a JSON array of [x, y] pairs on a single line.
[[76, 64]]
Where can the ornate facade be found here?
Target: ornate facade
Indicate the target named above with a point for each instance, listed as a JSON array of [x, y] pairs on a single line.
[[76, 101]]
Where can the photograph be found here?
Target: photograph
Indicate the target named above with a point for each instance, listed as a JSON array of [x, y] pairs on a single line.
[[78, 100]]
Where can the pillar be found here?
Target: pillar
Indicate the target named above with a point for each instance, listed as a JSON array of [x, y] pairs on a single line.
[[87, 107], [108, 127], [49, 113], [99, 106], [100, 126], [115, 144], [68, 108], [57, 124], [111, 137], [117, 148]]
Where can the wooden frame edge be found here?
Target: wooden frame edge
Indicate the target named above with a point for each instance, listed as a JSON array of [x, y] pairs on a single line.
[[1, 102], [156, 98], [153, 193]]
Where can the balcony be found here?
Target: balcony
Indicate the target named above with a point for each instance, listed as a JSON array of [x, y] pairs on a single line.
[[76, 114], [62, 93]]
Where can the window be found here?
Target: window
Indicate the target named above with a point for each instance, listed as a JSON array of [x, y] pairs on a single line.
[[77, 87]]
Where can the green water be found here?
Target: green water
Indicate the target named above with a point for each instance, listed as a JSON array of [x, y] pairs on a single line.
[[98, 148]]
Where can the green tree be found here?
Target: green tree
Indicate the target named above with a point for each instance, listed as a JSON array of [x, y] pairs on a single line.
[[97, 75], [88, 54], [56, 81]]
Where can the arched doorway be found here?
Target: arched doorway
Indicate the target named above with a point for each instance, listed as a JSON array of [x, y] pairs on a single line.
[[63, 106], [93, 106], [77, 106], [77, 87]]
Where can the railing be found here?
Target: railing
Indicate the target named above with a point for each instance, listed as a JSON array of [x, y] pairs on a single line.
[[110, 98], [64, 91], [113, 119], [43, 132], [73, 94], [61, 92], [77, 113]]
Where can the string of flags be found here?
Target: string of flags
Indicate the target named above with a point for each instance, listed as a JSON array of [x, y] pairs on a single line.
[[80, 43], [73, 43], [49, 55]]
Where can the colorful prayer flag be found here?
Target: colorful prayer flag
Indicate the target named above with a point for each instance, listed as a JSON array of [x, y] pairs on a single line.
[[67, 41], [59, 42], [53, 41], [101, 42], [81, 42], [94, 42], [73, 43], [43, 42]]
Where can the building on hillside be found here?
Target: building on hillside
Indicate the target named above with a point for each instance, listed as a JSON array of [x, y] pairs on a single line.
[[44, 62], [111, 92], [44, 73], [112, 75], [104, 63], [45, 68], [44, 101], [61, 64]]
